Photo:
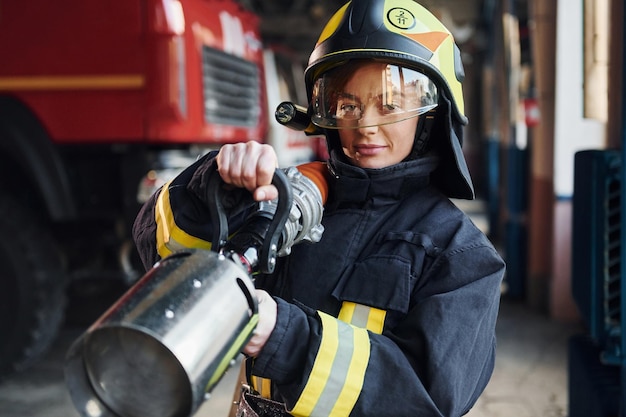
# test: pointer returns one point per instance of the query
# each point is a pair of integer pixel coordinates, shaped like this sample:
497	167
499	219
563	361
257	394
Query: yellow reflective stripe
321	369
235	346
338	372
170	237
262	385
347	311
370	318
376	320
162	231
356	375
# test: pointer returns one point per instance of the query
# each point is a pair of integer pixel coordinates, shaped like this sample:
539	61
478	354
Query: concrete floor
530	379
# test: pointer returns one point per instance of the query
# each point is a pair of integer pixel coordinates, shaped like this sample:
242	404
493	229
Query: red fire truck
94	95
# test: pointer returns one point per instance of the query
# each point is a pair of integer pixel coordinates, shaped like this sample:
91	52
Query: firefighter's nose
369	117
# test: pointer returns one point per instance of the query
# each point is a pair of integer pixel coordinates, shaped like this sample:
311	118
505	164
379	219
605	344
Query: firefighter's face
369	145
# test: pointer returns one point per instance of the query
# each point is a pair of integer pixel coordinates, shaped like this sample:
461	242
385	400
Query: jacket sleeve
177	215
435	362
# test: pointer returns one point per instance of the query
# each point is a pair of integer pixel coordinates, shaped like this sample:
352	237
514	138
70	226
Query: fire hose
165	344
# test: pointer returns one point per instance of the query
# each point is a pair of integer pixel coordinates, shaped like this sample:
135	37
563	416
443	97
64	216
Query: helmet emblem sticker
401	18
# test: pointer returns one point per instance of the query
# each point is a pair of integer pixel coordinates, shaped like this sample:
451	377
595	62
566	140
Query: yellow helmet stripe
332	24
446	50
169	236
338	372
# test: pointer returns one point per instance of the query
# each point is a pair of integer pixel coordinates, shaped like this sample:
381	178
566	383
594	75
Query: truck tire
32	288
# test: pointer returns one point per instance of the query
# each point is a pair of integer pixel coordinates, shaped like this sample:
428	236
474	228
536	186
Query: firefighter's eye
391	105
349	111
390	108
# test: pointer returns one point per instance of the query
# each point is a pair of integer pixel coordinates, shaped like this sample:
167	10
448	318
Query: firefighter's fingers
258	165
265	192
229	163
248	165
267	163
267	320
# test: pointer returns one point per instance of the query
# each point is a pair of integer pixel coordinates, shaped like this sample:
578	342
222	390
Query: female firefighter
393	312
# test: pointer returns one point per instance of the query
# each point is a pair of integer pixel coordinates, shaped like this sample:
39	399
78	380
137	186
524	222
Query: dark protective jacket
392	313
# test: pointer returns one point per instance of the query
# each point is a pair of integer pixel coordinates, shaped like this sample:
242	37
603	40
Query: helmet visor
357	95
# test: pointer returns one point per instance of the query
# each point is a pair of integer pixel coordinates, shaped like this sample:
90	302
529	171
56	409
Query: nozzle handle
269	248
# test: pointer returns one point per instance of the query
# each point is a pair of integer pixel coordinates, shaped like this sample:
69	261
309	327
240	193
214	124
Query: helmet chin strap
422	133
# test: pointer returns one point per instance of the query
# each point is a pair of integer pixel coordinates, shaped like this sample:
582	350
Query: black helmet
405	34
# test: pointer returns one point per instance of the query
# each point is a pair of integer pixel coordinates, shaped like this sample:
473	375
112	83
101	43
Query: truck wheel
32	288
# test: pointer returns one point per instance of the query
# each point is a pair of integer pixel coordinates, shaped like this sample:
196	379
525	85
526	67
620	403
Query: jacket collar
351	184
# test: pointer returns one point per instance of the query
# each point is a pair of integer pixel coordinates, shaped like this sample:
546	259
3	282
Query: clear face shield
369	93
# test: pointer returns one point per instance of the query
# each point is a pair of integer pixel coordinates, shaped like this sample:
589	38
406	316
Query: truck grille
231	89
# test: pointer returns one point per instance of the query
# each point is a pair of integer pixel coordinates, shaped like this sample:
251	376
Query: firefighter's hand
267	321
249	165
